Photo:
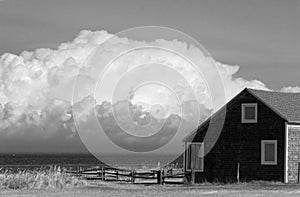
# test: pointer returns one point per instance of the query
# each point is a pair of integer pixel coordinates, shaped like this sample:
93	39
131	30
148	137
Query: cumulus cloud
295	89
124	122
235	85
36	87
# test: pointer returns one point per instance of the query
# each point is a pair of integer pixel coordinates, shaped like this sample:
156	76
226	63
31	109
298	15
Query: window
249	113
195	157
269	152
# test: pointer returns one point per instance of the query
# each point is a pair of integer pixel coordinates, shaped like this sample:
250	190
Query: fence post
103	173
238	173
163	177
132	176
100	173
78	170
117	174
159	177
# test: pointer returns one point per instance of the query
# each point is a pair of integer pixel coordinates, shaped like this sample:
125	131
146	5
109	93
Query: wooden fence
169	176
105	173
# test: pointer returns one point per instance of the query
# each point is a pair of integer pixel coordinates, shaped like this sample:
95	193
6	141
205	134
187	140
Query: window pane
195	154
197	162
249	113
200	155
270	152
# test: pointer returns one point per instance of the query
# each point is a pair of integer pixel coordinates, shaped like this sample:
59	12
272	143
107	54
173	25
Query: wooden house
259	139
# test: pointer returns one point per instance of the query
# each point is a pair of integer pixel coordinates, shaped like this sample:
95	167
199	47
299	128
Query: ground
110	189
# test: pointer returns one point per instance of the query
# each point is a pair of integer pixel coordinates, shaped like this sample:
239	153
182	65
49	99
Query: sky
262	37
252	43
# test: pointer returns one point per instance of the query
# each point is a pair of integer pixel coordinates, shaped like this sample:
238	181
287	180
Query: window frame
244	105
188	144
263	150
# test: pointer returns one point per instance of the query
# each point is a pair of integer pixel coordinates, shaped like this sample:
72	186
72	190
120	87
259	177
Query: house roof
287	105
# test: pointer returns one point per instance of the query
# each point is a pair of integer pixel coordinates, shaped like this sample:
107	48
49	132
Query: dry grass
54	182
45	179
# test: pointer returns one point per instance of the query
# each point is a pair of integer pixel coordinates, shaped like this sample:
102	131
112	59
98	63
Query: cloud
125	122
36	87
295	89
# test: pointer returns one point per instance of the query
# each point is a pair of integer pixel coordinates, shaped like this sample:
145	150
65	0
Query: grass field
53	178
54	182
113	189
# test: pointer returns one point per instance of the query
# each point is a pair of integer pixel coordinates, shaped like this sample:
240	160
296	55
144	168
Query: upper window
249	113
269	152
195	157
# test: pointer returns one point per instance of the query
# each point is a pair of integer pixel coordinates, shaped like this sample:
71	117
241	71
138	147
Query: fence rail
158	176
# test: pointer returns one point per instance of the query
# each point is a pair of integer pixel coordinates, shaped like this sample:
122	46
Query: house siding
293	152
241	143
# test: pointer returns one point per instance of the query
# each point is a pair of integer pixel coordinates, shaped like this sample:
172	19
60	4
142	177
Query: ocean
75	160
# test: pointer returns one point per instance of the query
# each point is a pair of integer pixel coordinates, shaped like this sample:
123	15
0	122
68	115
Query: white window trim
263	162
188	145
243	112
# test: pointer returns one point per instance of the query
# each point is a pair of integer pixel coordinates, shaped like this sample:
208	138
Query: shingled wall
293	152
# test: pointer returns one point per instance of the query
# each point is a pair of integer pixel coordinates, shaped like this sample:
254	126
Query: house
259	139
